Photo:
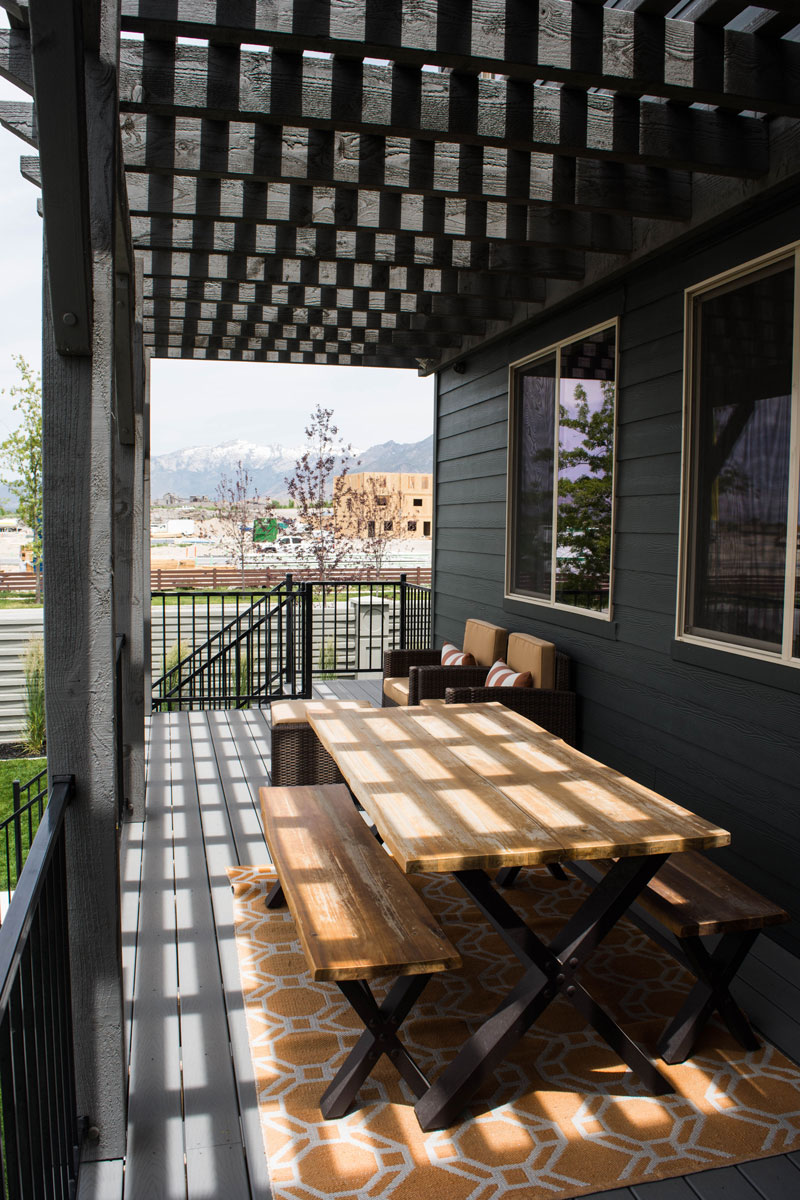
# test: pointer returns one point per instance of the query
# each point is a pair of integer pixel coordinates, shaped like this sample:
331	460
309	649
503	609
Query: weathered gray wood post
75	87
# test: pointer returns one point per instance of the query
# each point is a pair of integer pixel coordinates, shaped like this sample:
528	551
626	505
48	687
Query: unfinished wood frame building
453	187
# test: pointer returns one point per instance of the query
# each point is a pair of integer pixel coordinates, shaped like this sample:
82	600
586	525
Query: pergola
360	182
377	183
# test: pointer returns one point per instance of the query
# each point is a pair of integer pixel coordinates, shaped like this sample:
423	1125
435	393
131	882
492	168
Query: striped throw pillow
453	657
501	675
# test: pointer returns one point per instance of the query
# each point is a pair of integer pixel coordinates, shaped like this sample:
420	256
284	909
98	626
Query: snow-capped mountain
197	470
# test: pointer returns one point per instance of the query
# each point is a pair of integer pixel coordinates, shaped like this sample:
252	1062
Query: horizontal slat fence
209	578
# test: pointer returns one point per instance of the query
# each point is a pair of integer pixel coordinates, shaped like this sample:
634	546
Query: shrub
172	673
327	660
35	728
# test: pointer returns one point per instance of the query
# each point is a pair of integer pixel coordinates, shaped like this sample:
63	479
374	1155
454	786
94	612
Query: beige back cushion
486	643
528	653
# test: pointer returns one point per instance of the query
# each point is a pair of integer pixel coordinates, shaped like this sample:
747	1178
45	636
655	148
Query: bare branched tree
311	489
237	505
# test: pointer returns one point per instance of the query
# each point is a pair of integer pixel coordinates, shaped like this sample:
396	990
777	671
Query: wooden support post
129	544
79	633
143	523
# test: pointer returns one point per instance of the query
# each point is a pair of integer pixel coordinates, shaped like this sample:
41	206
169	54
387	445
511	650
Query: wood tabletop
477	786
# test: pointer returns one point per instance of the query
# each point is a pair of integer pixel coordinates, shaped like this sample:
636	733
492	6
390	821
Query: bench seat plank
357	916
694	897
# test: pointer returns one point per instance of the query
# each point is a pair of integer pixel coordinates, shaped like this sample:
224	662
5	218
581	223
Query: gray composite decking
193	1126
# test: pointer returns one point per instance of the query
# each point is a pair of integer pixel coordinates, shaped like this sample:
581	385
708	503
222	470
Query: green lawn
22	769
19	600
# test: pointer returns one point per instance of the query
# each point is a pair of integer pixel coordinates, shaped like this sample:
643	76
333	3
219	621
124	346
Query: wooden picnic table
467	788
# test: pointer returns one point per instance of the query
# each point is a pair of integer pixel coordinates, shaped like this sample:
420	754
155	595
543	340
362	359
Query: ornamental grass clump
35	729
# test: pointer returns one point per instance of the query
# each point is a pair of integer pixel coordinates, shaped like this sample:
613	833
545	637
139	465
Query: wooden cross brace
379	1037
551	970
714	972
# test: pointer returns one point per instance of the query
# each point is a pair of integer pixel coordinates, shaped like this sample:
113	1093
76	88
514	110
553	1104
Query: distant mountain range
197	470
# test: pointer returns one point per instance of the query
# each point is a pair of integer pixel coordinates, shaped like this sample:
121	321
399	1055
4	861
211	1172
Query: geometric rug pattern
563	1116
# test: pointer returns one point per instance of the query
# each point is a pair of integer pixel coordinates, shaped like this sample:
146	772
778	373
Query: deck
193	1126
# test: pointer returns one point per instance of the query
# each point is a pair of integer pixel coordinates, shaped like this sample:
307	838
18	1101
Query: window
740	586
426	529
412	526
417	502
561	474
381	501
388	526
371	529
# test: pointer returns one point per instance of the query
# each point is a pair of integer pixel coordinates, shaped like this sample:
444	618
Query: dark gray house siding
714	731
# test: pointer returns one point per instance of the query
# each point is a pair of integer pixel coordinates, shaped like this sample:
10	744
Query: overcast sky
196	403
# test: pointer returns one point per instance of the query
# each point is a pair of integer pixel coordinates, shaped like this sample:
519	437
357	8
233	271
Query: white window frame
511	482
691	295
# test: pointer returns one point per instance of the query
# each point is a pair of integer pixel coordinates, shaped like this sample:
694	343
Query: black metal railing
17	831
415	614
40	1135
230	661
261	646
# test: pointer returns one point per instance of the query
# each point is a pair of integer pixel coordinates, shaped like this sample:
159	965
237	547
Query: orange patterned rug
563	1116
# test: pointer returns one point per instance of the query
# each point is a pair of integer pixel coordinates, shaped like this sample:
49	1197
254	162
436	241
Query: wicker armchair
401	668
555	709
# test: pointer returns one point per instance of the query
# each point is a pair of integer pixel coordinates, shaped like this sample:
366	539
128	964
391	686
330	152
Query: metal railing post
403	595
290	666
17	829
308	640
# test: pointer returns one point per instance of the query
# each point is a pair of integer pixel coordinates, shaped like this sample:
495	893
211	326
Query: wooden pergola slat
255	153
431	194
581	44
224	83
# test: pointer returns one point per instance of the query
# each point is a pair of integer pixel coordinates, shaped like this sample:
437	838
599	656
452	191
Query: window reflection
585	471
533	527
742	427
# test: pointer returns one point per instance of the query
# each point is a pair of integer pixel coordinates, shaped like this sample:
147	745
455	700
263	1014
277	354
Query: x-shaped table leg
551	971
379	1037
714	973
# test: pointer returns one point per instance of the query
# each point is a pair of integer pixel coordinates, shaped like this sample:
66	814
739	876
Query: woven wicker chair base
299	759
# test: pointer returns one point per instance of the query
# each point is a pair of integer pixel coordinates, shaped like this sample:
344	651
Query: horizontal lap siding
720	744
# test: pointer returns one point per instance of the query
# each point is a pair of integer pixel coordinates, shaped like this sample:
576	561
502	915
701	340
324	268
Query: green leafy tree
585	496
21	457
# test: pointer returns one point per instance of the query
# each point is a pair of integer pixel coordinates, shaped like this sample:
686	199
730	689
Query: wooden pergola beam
346	96
239	201
234	202
19	119
327	358
57	56
171	316
15	58
223	317
265	331
344	294
256	242
430	283
412	349
580	44
255	154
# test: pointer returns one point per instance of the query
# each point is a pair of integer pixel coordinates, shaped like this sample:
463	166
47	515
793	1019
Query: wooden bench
358	918
689	899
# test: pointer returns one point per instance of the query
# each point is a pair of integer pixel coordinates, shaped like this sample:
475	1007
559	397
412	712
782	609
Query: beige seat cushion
529	653
432	702
396	688
285	712
486	643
